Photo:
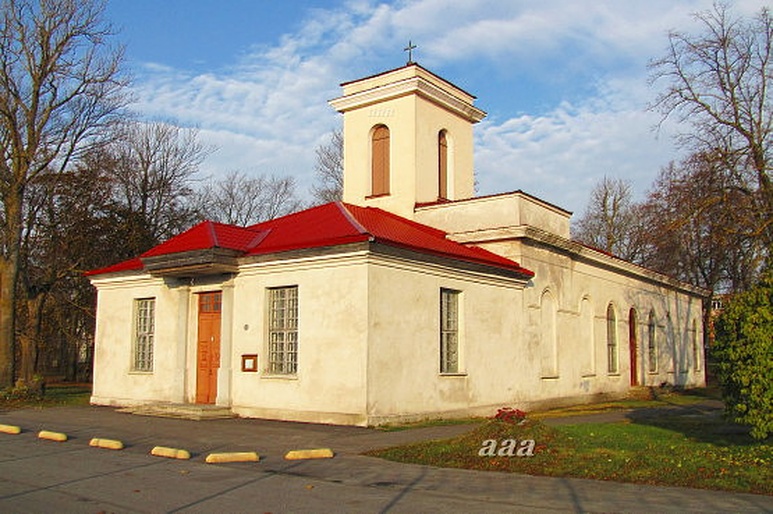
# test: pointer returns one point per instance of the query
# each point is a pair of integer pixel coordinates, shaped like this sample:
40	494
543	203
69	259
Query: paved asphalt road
45	476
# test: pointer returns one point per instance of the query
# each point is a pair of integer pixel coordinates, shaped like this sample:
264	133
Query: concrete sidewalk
42	476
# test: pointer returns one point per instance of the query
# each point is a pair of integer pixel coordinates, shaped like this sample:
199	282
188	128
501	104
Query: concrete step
198	412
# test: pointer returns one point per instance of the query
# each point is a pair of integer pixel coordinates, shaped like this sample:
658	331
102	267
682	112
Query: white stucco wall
491	213
114	381
369	350
330	385
404	381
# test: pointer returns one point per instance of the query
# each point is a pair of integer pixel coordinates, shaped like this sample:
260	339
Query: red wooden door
208	353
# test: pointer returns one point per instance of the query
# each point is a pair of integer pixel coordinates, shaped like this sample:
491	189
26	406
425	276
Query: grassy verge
55	395
683	447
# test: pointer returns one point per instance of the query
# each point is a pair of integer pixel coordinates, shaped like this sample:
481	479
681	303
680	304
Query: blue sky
564	82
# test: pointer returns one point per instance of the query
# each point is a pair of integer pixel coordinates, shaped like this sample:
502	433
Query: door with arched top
632	346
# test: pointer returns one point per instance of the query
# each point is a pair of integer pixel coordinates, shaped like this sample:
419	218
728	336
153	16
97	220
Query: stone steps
180	411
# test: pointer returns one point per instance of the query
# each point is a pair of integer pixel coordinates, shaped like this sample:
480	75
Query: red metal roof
209	234
331	224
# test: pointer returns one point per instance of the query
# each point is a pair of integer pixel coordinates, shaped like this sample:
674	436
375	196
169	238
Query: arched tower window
380	161
442	165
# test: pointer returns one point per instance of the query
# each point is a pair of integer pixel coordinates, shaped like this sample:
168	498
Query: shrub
744	353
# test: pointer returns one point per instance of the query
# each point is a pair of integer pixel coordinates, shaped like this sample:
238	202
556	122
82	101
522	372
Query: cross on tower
410	48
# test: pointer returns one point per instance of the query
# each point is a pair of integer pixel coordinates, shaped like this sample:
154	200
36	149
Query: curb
59	437
108	444
170	453
219	458
317	453
10	429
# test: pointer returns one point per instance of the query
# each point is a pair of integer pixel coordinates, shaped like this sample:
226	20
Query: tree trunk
29	339
8	271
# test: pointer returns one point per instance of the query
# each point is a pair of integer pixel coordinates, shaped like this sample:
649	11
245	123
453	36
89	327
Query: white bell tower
407	140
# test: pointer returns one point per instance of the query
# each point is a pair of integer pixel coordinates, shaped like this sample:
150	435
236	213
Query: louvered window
380	162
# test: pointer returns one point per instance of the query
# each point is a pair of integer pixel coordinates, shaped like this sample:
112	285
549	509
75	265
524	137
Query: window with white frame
611	339
449	331
283	330
144	334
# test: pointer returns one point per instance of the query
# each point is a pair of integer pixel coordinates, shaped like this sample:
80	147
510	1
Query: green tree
744	354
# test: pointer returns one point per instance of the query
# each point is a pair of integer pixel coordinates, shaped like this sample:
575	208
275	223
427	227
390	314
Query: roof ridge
420	226
213	233
351	218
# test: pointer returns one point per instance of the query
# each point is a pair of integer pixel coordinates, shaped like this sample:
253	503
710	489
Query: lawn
55	395
651	445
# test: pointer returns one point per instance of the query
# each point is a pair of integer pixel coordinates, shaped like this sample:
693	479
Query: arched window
442	165
380	161
652	349
611	339
587	338
548	339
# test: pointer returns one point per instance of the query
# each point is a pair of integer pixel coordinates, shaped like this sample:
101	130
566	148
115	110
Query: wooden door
208	353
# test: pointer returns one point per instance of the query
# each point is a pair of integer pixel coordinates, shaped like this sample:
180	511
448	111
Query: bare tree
329	170
610	221
60	85
718	82
241	200
153	168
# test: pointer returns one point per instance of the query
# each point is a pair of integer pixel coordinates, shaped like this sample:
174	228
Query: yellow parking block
219	458
10	429
52	436
170	453
317	453
108	444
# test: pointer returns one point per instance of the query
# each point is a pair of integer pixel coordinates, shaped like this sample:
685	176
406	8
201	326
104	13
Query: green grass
55	395
659	398
683	447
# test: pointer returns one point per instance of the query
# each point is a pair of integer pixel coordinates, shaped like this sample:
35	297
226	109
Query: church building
412	298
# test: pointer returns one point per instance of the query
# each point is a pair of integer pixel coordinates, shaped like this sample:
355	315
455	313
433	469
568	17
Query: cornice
413	85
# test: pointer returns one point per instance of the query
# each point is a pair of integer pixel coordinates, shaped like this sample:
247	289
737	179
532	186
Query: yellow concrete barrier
10	429
219	458
108	444
317	453
170	453
52	436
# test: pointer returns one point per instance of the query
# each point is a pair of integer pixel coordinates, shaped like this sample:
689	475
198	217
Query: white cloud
268	110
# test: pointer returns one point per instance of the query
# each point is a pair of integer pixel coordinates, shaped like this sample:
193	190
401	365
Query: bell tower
407	140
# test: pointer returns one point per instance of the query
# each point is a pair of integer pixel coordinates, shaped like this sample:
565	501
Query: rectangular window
144	333
449	331
283	330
